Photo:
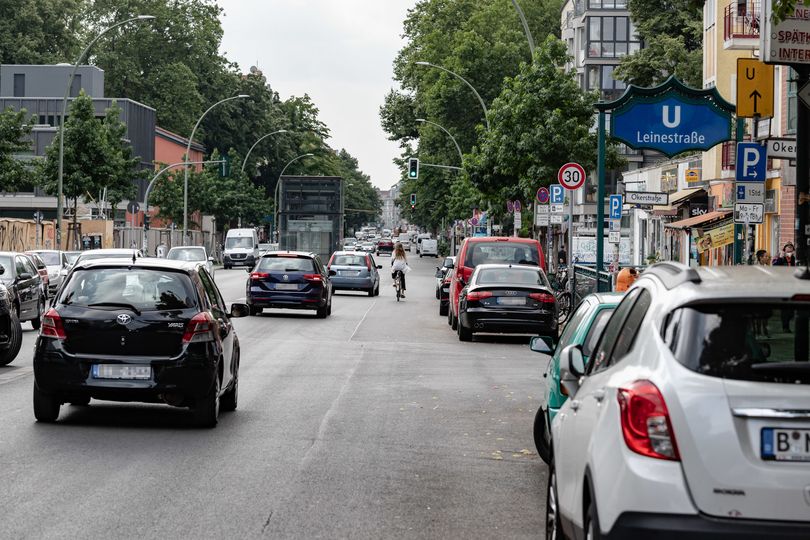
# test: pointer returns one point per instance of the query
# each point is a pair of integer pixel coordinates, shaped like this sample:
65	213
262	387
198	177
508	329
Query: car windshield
349	260
245	242
71	256
51	258
754	342
187	254
143	289
286	264
500	253
512	276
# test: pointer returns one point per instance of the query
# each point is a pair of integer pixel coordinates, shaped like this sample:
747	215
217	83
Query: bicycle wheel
563	307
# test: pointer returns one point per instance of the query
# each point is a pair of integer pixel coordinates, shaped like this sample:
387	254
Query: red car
489	250
386	245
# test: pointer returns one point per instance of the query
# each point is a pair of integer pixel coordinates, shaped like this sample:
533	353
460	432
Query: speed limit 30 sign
571	176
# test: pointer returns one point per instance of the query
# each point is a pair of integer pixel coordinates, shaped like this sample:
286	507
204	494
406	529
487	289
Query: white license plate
785	444
511	301
349	273
286	287
122	371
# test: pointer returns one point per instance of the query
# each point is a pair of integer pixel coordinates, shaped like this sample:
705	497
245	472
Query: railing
741	20
585	282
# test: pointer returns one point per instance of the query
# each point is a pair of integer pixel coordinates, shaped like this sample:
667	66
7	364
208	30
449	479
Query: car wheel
230	399
206	410
36	322
553	527
454	321
255	310
46	406
542	435
14	339
464	333
227	266
377	290
371	291
592	529
449	316
329	307
443	308
322	312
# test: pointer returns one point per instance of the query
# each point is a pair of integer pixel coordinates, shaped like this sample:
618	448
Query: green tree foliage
14	130
39	31
672	31
362	203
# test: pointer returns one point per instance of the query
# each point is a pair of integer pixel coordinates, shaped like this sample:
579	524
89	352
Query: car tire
227	266
592	529
322	312
554	529
206	410
377	290
36	322
255	310
542	435
443	308
371	291
14	339
464	333
449	315
453	321
46	406
230	399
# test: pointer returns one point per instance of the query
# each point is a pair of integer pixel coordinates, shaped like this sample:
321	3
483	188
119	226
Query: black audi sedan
290	280
507	299
146	330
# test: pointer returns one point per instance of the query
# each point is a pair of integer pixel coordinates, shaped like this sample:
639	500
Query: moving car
241	248
290	280
355	271
429	247
42	270
385	245
56	261
405	240
367	247
691	418
196	254
153	330
492	250
584	329
21	279
507	299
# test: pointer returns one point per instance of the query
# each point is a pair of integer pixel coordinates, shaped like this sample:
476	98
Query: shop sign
714	238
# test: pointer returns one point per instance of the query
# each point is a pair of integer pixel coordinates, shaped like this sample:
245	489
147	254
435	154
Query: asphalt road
374	423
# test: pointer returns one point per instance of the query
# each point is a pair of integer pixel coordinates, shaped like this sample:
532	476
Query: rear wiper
116	304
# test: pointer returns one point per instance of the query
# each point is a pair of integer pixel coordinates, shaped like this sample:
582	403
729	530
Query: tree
14	130
37	32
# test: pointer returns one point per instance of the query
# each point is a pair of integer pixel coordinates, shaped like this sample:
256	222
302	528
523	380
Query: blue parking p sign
557	194
751	162
615	207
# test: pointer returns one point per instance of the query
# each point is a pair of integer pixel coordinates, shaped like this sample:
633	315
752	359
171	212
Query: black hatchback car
291	280
148	330
21	278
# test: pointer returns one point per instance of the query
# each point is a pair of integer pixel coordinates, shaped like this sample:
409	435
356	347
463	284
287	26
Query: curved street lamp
260	139
528	32
61	168
188	152
278	184
465	81
460	155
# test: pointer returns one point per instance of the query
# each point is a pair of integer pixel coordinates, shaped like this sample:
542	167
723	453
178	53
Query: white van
241	248
428	246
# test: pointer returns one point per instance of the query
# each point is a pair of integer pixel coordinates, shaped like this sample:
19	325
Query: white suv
692	418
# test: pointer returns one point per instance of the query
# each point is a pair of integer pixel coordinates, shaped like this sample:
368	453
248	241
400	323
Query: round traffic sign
510	206
542	195
133	207
571	176
517	206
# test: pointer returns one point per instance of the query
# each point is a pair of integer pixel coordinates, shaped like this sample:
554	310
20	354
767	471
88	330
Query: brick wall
787	216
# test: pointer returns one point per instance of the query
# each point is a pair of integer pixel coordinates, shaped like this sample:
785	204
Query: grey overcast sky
340	52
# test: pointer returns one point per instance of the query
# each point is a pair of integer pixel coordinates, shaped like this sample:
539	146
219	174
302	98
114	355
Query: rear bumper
508	322
699	527
285	300
352	284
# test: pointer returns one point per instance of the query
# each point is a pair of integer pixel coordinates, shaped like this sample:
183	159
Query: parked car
355	271
56	261
107	253
10	329
154	331
290	280
691	418
507	299
192	254
18	274
385	245
489	250
584	328
444	295
441	273
42	270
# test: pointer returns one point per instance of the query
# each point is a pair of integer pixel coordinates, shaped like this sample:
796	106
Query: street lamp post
188	152
61	168
465	81
276	191
528	32
460	155
260	139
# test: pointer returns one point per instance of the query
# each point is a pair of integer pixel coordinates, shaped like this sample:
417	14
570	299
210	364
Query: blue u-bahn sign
671	118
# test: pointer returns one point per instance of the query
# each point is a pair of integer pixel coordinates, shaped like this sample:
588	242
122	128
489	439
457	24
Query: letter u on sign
672	122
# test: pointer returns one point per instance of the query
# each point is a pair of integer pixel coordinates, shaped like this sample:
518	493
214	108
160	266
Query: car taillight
315	278
368	263
545	298
199	329
52	325
259	275
476	296
645	421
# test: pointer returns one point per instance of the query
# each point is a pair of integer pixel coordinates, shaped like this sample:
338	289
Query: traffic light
145	221
413	200
413	169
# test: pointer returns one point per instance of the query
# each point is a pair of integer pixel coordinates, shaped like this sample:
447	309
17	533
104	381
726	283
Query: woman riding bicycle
399	265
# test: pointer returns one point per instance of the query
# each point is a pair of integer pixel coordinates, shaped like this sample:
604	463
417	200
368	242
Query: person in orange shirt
626	278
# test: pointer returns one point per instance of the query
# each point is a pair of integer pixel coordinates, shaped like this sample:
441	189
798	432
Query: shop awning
676	199
688	223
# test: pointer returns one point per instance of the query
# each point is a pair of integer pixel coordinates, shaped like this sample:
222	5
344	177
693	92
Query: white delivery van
428	246
241	248
405	240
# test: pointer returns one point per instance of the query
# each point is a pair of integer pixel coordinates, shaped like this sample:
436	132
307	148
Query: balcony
741	25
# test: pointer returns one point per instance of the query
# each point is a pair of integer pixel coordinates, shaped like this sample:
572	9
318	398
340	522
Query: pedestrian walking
626	277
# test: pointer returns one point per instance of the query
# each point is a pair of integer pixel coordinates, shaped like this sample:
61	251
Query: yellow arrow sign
754	88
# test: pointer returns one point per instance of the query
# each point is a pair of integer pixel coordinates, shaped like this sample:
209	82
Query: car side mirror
542	344
24	276
572	368
239	310
451	266
379	267
332	273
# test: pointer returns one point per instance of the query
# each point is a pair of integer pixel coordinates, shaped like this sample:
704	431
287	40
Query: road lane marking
17	373
356	328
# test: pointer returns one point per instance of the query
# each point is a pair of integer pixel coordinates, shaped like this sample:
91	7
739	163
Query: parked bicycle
563	295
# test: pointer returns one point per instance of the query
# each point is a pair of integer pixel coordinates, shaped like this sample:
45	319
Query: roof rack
672	274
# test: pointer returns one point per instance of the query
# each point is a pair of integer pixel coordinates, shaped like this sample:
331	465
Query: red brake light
316	278
801	298
476	296
259	275
199	329
645	421
52	325
368	262
545	298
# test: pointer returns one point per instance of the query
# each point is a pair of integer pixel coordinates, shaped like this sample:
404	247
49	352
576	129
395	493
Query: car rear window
286	264
51	258
187	254
512	276
500	253
751	342
142	288
349	260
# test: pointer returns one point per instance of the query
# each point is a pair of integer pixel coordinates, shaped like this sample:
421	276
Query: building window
593	78
19	85
611	37
607	4
792	103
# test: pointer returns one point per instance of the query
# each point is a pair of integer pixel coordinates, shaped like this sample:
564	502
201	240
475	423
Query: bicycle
563	296
398	284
